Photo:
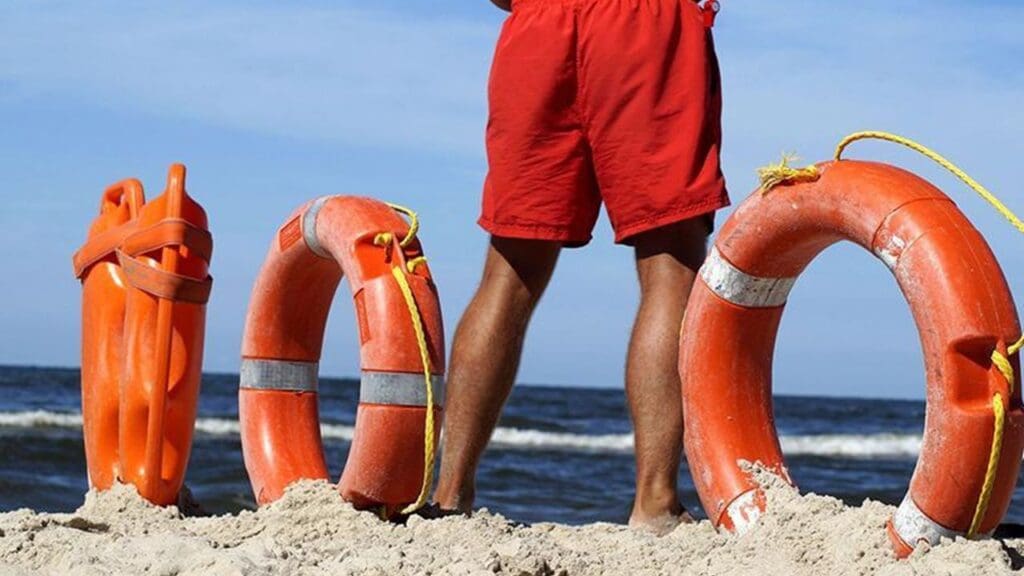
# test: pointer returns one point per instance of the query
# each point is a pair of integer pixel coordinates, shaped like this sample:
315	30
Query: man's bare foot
434	511
659	524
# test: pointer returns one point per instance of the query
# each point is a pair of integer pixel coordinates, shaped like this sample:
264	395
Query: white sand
310	531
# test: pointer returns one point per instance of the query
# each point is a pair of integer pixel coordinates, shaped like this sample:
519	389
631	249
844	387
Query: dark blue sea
559	454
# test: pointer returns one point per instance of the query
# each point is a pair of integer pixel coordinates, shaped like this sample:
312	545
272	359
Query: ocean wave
824	445
40	419
853	445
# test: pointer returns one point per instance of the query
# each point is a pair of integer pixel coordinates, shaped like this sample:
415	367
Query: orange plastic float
144	291
974	426
390	463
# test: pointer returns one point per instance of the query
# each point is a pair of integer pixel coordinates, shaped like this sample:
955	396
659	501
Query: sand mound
312	532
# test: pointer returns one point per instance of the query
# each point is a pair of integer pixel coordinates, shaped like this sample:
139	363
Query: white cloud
364	77
802	69
801	74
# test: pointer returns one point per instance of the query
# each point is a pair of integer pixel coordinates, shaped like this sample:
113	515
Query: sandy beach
312	532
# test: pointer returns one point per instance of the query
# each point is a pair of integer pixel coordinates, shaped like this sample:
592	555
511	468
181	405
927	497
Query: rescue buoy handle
175	196
778	174
102	245
128	192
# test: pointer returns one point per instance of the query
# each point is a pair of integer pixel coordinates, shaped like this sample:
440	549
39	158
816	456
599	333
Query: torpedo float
391	460
961	304
144	291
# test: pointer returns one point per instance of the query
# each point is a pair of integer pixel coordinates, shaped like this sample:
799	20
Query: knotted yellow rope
414	263
938	159
773	175
429	450
385	239
1002	363
999	412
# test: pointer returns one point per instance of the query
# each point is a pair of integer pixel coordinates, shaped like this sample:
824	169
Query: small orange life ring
144	291
960	302
402	351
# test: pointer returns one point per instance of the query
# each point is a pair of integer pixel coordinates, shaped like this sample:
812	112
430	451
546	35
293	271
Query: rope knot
415	263
383	239
774	175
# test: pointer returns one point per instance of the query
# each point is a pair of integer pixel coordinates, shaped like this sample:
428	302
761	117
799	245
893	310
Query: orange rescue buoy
390	463
144	291
974	425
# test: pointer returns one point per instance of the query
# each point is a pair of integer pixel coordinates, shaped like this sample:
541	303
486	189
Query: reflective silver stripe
401	388
736	286
278	375
744	512
309	227
913	526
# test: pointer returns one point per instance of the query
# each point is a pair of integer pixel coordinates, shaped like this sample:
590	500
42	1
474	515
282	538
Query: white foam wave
516	438
825	445
40	419
853	445
224	427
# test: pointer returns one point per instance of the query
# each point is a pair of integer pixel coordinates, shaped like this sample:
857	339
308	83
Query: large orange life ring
144	291
402	355
974	425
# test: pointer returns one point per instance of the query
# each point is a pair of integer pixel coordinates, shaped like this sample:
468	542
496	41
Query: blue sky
270	104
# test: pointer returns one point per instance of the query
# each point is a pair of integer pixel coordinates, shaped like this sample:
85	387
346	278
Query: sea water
559	454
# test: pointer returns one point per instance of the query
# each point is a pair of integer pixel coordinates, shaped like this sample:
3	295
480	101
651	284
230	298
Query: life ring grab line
429	448
780	174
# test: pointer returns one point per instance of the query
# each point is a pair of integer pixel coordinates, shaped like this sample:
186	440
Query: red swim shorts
602	100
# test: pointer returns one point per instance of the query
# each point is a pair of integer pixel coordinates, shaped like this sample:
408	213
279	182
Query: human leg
485	357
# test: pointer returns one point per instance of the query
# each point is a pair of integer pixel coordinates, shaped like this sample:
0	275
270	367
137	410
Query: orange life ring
367	241
961	305
144	291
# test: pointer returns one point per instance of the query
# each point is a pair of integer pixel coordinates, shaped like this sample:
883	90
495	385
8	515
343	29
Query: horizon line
518	383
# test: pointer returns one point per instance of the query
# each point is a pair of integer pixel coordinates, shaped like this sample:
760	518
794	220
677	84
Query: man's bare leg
667	260
485	357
